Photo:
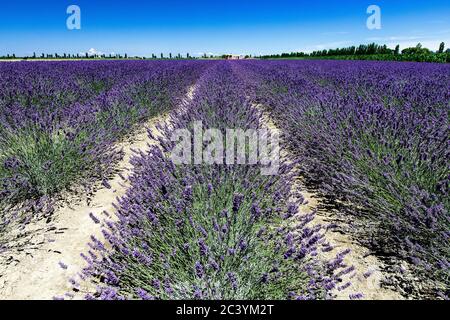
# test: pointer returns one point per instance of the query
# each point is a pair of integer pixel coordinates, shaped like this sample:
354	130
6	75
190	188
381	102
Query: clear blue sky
140	27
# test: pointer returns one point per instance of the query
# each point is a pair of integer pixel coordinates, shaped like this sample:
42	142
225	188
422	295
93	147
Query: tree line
372	51
96	56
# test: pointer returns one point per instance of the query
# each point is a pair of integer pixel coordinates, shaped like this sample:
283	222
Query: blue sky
140	27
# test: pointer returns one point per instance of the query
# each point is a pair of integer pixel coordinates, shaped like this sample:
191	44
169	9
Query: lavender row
209	231
373	138
59	121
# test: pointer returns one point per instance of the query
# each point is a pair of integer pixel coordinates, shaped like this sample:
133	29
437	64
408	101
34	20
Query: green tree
441	47
397	49
418	49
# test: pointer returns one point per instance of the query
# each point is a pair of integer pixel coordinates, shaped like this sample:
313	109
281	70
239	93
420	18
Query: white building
235	57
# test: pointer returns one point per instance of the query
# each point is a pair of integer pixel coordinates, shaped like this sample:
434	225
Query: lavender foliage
209	231
59	122
373	139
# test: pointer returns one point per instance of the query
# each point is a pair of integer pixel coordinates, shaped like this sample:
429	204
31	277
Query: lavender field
357	210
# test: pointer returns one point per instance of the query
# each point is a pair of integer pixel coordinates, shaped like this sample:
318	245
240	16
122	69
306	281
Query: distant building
234	56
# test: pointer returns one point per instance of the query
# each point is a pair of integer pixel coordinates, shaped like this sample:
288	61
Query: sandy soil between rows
35	272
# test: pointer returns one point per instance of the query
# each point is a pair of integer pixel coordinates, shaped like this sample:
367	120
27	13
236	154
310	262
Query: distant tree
34	55
441	47
418	49
87	55
170	55
397	49
42	56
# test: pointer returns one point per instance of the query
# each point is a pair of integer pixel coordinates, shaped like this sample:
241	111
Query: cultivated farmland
93	206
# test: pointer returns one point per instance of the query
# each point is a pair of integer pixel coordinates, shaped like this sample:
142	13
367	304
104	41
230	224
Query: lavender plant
59	121
209	231
375	137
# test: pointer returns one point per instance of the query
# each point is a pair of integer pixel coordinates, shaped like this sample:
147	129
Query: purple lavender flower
144	295
233	280
203	248
199	271
187	194
94	218
355	296
237	201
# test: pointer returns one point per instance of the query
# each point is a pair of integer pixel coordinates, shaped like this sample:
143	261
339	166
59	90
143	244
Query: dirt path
367	276
43	271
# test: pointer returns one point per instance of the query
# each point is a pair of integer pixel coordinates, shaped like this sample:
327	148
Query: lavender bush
374	137
59	121
209	231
